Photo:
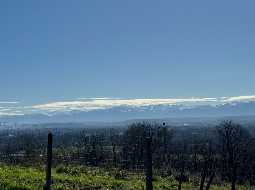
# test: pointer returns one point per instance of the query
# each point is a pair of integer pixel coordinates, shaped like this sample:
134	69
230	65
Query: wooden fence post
114	155
148	164
49	163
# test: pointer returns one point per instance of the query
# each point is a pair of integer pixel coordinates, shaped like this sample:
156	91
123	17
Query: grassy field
82	178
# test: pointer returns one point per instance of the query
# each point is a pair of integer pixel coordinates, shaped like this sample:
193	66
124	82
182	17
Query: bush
61	169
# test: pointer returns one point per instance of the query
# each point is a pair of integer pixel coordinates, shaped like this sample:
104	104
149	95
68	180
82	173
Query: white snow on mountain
123	105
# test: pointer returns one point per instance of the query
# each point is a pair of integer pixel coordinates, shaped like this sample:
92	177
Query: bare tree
208	169
232	138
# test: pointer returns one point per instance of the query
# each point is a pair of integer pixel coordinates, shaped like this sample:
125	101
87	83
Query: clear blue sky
60	49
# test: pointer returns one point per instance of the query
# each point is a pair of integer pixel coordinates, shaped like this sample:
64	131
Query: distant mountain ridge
126	112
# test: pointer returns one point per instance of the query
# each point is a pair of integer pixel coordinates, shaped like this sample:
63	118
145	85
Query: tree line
221	154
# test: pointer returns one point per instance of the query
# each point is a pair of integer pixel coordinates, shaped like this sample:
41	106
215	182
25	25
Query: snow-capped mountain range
119	109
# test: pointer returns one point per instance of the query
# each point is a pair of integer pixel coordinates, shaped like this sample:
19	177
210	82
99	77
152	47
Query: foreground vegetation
84	178
184	158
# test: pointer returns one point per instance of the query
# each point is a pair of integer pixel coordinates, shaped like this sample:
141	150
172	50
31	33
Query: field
84	178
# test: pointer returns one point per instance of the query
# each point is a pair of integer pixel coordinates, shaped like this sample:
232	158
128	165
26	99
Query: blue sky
63	50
